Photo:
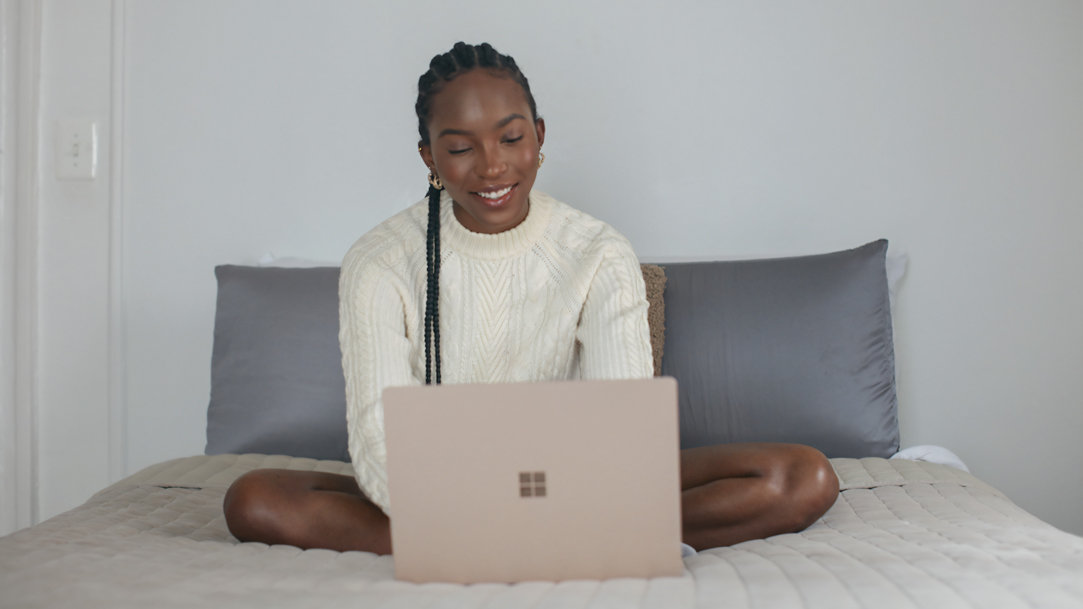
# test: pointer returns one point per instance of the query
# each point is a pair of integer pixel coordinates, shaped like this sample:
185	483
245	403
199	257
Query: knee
822	483
806	484
248	504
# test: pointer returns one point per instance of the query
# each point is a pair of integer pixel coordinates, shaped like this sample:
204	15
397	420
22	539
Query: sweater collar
498	245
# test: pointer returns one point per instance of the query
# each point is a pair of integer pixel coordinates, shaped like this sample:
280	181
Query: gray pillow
790	349
276	369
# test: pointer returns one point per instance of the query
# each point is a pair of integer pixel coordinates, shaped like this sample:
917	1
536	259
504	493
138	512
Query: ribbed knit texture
561	296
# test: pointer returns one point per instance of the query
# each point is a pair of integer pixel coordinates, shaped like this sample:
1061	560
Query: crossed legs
729	493
307	510
736	492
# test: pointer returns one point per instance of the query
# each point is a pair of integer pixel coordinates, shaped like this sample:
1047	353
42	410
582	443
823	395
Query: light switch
76	149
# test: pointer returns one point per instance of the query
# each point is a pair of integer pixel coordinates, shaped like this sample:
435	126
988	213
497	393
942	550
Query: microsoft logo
531	484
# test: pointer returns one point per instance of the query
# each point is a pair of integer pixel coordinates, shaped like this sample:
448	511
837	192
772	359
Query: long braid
432	267
443	68
434	287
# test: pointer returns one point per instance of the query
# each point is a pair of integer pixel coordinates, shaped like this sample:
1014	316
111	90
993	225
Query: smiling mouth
495	198
493	195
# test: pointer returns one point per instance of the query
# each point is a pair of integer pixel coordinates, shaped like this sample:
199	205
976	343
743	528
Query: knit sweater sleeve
375	309
613	333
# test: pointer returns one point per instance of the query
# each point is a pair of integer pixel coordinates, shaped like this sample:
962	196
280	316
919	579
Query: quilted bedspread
902	534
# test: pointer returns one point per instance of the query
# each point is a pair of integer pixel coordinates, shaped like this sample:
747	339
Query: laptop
534	481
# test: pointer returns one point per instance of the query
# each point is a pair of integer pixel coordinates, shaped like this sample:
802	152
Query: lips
495	196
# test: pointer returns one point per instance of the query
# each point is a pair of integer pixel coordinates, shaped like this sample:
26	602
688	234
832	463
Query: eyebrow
499	125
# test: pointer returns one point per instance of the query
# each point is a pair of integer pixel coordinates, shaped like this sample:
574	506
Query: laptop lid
534	481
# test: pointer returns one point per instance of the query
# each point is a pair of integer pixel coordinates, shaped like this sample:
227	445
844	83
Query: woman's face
484	146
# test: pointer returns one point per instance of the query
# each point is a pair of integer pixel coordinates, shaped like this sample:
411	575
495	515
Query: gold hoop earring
435	181
541	158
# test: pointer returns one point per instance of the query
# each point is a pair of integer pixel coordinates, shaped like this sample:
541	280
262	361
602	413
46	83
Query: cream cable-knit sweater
560	296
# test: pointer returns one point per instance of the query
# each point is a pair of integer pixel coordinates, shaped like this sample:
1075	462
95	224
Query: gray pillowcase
793	350
789	350
276	370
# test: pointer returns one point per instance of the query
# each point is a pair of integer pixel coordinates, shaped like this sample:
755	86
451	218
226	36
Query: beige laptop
534	481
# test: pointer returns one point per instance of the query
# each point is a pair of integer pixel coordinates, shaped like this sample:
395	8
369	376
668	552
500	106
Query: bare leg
736	492
305	509
730	493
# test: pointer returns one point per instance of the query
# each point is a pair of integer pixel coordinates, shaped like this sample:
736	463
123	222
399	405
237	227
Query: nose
491	162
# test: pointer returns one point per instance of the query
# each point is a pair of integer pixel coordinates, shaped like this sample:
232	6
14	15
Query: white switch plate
76	149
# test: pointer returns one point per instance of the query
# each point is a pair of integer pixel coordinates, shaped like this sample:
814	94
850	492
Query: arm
613	334
374	314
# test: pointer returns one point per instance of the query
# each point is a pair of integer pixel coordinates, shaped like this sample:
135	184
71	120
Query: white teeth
496	194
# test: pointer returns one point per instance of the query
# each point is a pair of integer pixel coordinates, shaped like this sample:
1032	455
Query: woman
489	281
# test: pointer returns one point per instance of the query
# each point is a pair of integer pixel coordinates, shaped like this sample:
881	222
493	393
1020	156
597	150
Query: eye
458	150
512	140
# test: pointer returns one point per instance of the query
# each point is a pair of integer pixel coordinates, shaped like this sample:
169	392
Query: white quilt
902	534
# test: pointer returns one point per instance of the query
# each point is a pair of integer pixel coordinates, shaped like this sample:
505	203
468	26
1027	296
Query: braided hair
443	68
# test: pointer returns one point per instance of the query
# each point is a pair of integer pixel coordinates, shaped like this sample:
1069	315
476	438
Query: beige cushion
655	278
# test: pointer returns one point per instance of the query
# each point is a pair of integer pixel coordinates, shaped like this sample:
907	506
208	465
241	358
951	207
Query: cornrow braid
443	68
463	58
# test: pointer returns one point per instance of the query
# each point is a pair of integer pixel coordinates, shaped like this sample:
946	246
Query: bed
903	533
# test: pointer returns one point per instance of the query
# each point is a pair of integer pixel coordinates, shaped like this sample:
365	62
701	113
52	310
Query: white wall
68	266
700	130
10	438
